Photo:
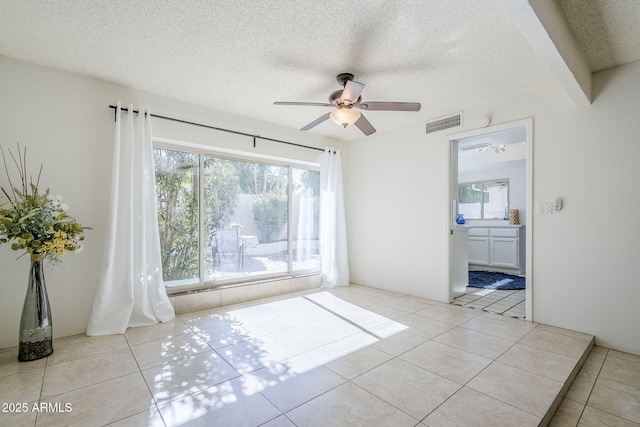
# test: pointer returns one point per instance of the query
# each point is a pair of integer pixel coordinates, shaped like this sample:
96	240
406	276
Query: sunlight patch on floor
484	292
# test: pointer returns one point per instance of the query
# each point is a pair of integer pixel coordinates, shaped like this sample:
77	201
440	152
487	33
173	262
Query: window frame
482	203
226	154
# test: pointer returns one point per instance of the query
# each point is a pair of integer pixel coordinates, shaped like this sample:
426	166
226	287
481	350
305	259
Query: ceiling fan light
345	116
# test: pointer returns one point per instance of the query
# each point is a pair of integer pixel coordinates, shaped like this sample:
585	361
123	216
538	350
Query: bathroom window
484	199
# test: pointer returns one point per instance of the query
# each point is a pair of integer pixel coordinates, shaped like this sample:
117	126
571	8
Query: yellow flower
56	245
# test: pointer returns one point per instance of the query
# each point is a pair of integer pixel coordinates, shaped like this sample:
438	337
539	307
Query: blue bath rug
497	281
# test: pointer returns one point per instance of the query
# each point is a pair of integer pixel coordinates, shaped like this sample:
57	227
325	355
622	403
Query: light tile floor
606	392
353	356
507	303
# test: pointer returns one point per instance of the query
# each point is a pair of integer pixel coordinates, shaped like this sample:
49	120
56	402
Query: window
484	199
228	220
177	186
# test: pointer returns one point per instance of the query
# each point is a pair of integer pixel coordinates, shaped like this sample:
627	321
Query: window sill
209	298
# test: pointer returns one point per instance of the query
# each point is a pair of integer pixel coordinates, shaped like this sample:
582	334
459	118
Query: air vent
446	123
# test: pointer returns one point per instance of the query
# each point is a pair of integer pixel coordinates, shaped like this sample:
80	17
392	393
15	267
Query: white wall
583	256
396	211
65	122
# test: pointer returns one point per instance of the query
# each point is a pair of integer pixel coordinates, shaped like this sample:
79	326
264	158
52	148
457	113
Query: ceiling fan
347	102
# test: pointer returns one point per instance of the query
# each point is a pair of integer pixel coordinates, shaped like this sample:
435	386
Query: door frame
450	179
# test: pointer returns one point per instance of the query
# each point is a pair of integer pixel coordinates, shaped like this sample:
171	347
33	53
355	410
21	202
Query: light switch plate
545	208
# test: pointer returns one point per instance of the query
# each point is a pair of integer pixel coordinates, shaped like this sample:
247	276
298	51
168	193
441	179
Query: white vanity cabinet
479	246
500	248
504	247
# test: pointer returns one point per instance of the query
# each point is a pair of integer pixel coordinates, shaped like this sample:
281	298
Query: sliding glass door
227	220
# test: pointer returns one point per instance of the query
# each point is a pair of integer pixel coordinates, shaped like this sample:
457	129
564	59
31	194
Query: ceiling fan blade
364	125
390	106
305	104
351	92
316	122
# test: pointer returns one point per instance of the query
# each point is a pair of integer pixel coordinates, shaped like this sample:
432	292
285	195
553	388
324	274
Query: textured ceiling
607	31
241	56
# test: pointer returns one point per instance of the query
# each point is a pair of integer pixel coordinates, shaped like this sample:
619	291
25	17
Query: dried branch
23	168
39	174
15	162
6	169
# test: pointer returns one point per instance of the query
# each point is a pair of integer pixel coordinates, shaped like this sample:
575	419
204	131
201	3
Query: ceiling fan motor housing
343	78
336	98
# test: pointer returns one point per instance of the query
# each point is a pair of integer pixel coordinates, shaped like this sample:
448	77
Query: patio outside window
226	220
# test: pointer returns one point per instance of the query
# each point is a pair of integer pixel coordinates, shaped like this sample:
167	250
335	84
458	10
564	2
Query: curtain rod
220	129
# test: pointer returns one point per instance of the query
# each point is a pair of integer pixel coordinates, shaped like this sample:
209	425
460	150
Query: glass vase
460	219
35	323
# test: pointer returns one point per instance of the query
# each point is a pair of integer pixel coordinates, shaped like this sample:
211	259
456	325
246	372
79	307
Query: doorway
490	178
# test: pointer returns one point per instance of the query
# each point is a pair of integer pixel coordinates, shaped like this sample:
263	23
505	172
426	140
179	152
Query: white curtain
131	291
334	261
304	234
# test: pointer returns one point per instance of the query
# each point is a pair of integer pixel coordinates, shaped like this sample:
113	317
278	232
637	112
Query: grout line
44	373
594	384
155	402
